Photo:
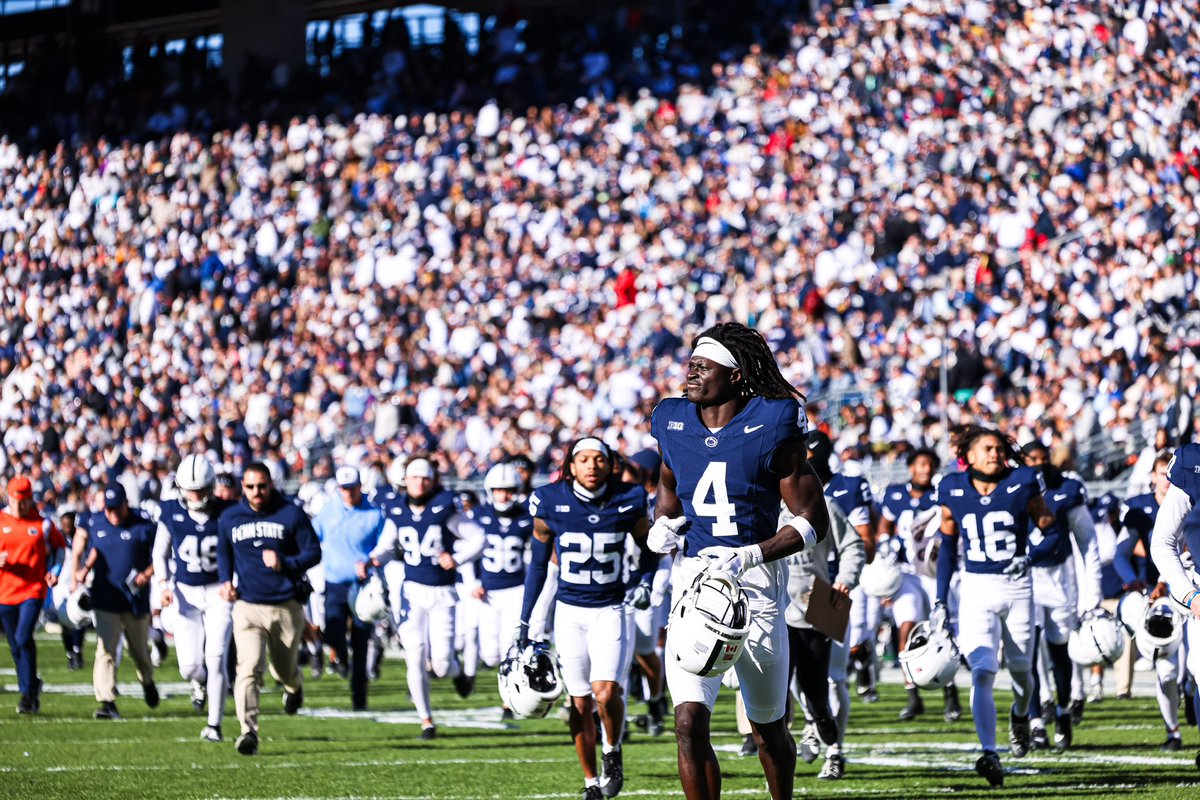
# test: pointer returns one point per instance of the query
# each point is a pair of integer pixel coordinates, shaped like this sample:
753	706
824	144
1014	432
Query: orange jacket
28	544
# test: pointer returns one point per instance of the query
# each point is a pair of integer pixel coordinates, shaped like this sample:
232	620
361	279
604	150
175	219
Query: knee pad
984	659
982	678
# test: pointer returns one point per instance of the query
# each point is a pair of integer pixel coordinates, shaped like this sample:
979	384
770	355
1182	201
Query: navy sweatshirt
246	533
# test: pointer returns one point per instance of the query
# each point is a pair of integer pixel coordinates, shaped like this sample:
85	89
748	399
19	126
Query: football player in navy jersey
1176	539
992	504
905	513
1139	517
187	535
586	518
733	448
426	530
1056	587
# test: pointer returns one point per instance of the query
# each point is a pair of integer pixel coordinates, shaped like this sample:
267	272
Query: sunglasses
251	487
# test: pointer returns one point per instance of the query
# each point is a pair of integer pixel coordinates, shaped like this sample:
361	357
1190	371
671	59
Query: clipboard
833	622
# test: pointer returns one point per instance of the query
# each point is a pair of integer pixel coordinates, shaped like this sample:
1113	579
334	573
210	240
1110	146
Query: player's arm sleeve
1123	555
308	548
224	553
162	549
389	540
1167	543
535	574
947	561
1083	528
469	539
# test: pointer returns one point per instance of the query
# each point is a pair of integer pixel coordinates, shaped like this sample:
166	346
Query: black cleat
464	685
953	708
1062	732
150	692
107	710
990	769
827	730
658	711
1048	712
1038	738
292	701
1076	712
592	793
25	705
915	707
429	733
74	661
612	774
247	744
749	748
1018	735
1173	744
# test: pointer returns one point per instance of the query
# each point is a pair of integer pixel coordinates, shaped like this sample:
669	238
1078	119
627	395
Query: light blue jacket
347	537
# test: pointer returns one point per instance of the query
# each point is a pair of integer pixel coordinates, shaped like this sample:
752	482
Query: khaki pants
109	627
1123	669
259	631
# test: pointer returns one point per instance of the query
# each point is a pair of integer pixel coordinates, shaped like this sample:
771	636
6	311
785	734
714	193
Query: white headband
591	443
710	348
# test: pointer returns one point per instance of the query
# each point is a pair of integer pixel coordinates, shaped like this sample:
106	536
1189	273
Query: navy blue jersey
1184	473
903	508
506	535
994	527
589	539
853	496
1051	550
728	481
194	544
245	533
1137	516
121	550
422	535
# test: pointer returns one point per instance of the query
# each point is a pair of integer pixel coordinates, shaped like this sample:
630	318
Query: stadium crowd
1017	180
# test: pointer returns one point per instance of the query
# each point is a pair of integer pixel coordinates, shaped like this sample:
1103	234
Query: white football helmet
79	608
1161	631
708	627
395	471
371	601
882	577
195	474
931	658
1098	639
529	681
501	476
1131	611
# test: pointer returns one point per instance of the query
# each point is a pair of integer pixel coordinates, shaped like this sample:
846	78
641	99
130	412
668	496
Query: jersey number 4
720	510
418	549
996	541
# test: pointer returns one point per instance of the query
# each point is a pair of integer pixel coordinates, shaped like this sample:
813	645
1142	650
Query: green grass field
328	752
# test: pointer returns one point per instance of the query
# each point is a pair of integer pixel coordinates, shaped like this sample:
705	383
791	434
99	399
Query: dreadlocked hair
964	436
760	374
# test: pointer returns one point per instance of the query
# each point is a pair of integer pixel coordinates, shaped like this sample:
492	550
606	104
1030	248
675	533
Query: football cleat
749	748
612	774
810	745
834	769
107	710
990	769
464	684
915	707
247	744
1062	732
429	733
25	705
199	697
1038	738
953	708
1076	711
212	733
74	661
1173	744
1048	712
658	712
292	701
1018	735
1096	692
592	793
150	692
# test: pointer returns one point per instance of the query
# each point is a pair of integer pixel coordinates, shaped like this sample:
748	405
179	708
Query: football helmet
195	474
931	658
882	577
709	624
1131	611
502	476
1098	639
395	471
79	608
370	601
1161	631
529	681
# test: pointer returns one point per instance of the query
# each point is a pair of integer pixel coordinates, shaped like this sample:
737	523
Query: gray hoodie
843	540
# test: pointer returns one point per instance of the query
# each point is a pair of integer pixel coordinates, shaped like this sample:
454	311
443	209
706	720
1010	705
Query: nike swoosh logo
1012	489
623	509
258	544
1060	497
751	429
841	492
436	509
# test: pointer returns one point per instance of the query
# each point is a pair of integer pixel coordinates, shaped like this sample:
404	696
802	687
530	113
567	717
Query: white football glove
1017	568
664	534
638	597
939	619
734	560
